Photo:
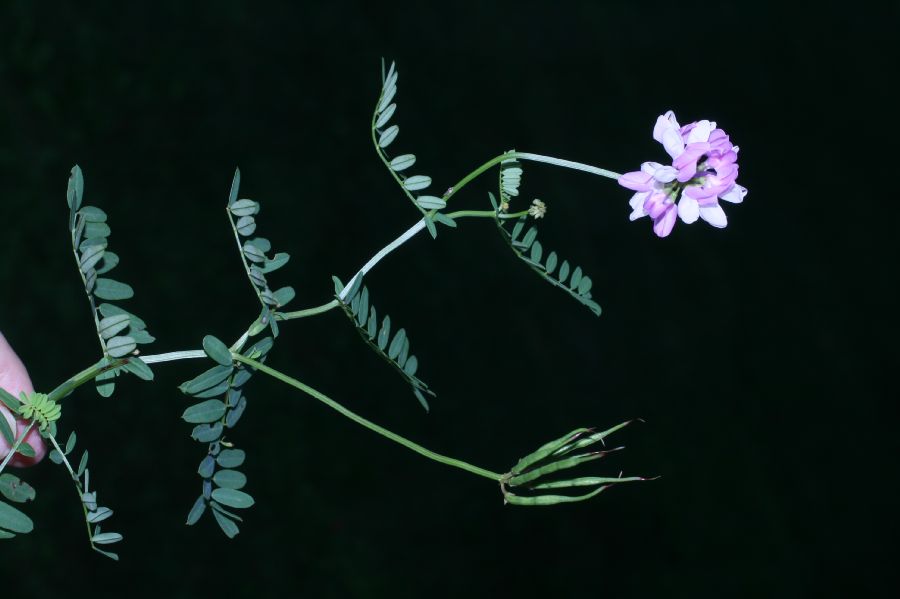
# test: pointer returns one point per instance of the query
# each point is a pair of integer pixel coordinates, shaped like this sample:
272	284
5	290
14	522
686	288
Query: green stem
174	355
237	240
484	214
90	296
578	166
309	311
85	376
79	490
362	421
15	446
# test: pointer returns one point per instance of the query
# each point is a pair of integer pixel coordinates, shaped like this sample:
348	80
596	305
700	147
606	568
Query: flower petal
700	132
665	174
637	205
688	209
650	167
664	122
663	225
714	215
735	195
672	142
636	180
656	204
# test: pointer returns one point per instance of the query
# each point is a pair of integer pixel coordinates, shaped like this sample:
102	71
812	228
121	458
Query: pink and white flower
703	171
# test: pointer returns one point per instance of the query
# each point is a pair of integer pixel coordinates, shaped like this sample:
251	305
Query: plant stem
309	311
79	490
90	296
15	446
578	166
404	237
419	225
237	240
86	375
362	421
484	214
174	355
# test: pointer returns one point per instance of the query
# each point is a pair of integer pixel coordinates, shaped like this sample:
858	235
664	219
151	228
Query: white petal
637	205
665	174
638	199
714	215
688	209
664	122
650	167
735	195
700	132
672	142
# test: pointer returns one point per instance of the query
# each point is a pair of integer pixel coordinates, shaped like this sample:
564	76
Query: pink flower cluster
703	171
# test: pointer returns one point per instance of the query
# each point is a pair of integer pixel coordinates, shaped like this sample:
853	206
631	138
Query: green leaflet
207	379
244	207
227	525
139	368
388	136
231	458
257	263
15	489
232	498
118	347
384	134
196	511
110	289
204	412
403	162
417	182
577	285
217	350
75	190
432	203
119	331
395	350
6	431
235	186
13	520
230	479
94	512
223	409
106	538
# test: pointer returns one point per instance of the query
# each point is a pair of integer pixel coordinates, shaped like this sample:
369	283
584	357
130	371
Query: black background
758	355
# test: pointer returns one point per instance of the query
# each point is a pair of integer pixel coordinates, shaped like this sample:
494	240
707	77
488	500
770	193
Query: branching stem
363	422
309	311
15	446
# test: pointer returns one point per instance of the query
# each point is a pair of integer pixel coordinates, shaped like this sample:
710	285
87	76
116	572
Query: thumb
14	378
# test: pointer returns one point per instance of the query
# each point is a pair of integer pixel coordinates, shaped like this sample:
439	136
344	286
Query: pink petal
656	204
663	225
637	181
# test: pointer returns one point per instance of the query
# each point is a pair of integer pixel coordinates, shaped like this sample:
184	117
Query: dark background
758	355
